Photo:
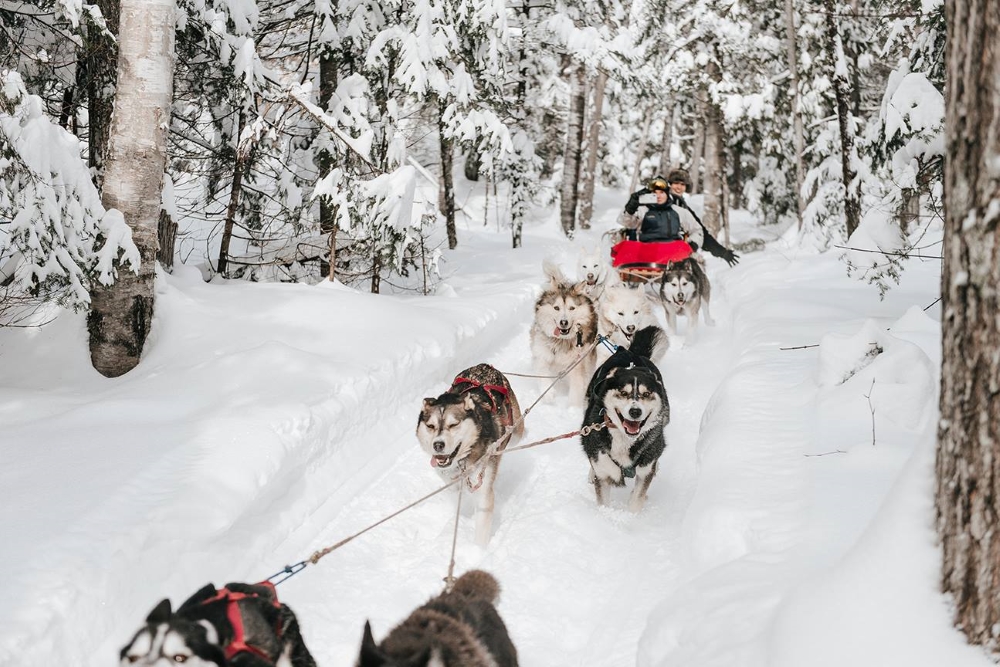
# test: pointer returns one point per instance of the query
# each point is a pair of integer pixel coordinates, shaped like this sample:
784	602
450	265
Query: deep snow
267	421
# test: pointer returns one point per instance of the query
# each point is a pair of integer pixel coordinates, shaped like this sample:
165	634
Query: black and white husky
241	625
459	628
457	428
564	331
685	290
627	395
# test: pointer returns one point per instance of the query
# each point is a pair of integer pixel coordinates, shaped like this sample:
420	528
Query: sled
639	262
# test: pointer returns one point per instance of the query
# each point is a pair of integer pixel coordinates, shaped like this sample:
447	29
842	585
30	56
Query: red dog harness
232	598
506	416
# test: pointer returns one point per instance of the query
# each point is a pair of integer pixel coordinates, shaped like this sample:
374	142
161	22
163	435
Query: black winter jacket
660	223
710	244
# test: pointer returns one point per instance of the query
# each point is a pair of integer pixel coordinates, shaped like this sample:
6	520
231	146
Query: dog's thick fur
592	270
627	393
622	311
457	428
565	327
686	290
460	628
198	633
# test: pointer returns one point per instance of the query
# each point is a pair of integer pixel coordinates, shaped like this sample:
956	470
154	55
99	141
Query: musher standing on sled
661	220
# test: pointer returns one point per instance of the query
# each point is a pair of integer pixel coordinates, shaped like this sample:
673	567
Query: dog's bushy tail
477	585
646	340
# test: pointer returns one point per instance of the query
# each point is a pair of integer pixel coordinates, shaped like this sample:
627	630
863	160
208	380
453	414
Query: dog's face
625	309
632	399
591	268
447	429
679	287
561	308
168	639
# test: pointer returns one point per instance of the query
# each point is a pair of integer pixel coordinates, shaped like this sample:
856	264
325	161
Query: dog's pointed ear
429	403
554	273
469	403
370	655
161	613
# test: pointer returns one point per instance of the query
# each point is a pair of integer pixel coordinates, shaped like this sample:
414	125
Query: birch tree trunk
593	147
571	155
798	133
968	454
842	93
328	76
446	194
715	168
121	314
102	71
668	136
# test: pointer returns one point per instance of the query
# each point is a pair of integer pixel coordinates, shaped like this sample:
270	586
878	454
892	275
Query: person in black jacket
662	220
678	182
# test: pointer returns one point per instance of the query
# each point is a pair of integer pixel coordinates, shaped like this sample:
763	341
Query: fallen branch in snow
836	451
887	253
799	347
872	408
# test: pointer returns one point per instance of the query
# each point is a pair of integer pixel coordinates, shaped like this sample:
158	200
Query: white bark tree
574	149
593	148
121	314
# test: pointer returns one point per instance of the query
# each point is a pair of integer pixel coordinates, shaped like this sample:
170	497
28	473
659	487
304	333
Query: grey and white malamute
685	290
241	625
460	628
627	395
564	330
457	428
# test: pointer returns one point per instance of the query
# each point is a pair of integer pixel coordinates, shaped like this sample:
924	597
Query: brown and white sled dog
457	428
241	625
628	396
564	330
685	290
622	311
460	628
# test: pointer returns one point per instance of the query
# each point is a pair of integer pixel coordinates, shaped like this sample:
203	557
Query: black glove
731	258
694	246
643	191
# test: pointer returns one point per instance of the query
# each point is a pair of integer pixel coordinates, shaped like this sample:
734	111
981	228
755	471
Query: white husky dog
592	270
621	312
564	330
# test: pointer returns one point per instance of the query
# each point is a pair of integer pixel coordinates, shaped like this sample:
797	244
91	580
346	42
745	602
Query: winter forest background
364	144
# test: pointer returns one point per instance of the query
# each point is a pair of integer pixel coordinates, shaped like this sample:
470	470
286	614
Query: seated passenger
660	221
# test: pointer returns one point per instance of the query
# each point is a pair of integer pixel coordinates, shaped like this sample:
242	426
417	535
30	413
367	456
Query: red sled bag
637	252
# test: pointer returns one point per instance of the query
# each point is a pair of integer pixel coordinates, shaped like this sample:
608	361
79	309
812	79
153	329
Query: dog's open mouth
628	334
630	426
591	280
679	299
559	331
445	460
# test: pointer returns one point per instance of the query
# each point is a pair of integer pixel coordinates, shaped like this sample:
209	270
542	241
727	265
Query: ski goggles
658	184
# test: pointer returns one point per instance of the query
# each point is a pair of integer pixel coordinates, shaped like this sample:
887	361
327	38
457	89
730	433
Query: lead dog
240	625
564	331
627	396
460	628
685	290
457	428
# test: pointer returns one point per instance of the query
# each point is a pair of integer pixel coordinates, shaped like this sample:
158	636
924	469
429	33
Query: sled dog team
464	431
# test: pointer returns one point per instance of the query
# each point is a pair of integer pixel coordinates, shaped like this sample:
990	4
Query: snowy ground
268	421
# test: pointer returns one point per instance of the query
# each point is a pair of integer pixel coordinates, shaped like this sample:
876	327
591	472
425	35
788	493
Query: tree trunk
473	161
121	314
235	190
798	133
668	136
166	232
715	168
842	93
735	193
647	121
328	76
446	198
909	209
593	147
102	73
697	151
571	154
968	455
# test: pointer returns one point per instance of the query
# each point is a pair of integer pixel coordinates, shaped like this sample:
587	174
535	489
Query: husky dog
240	625
457	428
565	328
621	312
460	628
685	290
592	270
627	395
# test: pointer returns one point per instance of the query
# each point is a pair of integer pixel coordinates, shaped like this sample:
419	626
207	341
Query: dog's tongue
631	427
558	332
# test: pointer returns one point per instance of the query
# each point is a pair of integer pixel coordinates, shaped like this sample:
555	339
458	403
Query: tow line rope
290	571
